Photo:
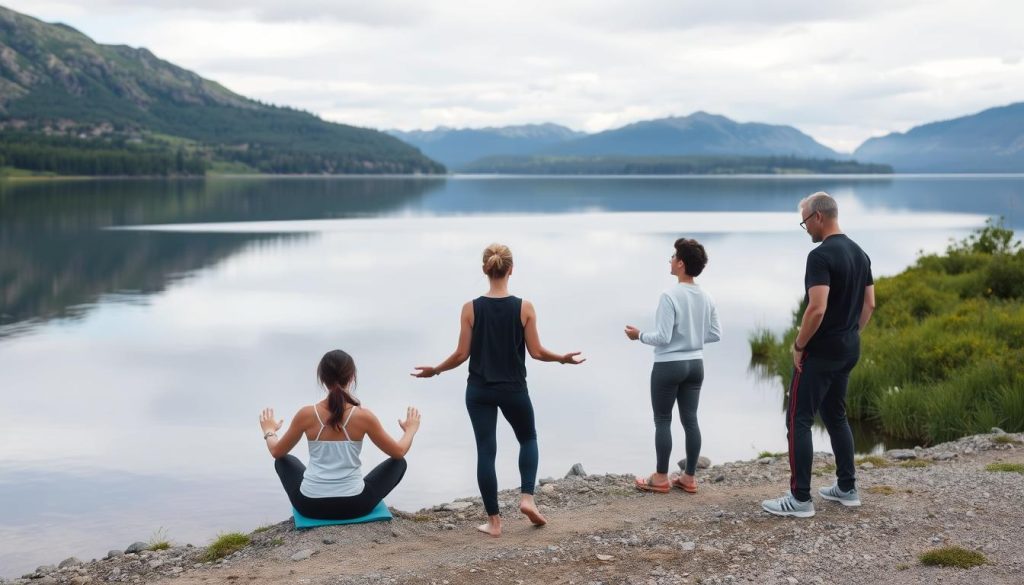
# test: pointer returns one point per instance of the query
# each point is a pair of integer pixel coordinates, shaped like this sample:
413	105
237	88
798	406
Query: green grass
226	544
942	357
772	454
824	470
277	541
159	540
953	556
1005	468
1005	440
263	528
762	345
884	490
915	463
875	460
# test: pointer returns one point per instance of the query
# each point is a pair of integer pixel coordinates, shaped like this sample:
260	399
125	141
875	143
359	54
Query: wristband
269	434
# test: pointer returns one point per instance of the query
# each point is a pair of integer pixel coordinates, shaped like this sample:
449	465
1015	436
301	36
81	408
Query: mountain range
63	95
991	141
699	134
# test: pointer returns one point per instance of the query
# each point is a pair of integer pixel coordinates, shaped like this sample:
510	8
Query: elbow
462	356
277	453
869	306
815	311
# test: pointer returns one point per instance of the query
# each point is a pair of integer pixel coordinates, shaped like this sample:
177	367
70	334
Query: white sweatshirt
685	321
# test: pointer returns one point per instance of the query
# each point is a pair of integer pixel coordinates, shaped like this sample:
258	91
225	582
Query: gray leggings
673	382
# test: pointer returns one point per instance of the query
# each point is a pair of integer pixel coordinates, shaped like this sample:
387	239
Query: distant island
70	106
668	165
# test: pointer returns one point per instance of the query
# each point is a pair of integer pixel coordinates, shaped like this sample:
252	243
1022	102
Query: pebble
302	555
867	465
69	562
943	456
765	460
80	580
548	489
791	580
329	541
113	554
457	506
605	558
155	564
689	546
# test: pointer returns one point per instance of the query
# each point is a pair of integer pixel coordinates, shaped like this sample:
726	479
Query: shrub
953	556
226	544
762	345
1005	468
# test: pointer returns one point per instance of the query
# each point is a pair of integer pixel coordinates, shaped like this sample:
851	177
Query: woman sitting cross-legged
333	486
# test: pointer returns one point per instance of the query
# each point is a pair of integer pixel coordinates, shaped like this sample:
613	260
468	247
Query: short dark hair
692	254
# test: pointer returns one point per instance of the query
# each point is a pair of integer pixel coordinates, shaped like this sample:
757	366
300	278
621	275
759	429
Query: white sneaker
787	505
833	493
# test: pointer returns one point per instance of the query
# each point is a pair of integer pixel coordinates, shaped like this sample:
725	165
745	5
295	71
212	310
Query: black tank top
497	352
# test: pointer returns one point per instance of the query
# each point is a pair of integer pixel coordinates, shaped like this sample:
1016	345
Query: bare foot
493	526
528	507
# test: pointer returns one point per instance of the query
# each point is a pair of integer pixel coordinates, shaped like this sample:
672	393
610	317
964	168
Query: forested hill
71	106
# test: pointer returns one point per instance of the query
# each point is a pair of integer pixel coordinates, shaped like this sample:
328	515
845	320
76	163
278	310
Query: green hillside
67	102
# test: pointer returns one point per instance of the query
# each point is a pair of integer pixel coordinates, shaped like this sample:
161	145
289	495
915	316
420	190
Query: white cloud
841	72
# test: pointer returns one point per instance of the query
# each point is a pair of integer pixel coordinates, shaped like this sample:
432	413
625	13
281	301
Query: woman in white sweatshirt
686	319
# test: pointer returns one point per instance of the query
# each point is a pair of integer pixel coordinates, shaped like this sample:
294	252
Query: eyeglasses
803	224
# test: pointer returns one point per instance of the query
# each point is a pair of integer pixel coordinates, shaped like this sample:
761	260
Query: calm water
134	360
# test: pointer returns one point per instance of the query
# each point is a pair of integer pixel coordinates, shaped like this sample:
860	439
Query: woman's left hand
267	422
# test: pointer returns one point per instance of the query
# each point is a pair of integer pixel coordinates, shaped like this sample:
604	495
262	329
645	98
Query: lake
145	323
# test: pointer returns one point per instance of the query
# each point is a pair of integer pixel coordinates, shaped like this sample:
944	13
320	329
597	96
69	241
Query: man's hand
798	358
632	332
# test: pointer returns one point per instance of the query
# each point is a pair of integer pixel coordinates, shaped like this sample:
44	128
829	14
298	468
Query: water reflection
56	261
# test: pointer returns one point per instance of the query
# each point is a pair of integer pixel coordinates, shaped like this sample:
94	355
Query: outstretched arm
533	345
461	353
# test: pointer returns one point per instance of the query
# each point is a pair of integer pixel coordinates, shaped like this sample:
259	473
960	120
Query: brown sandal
646	485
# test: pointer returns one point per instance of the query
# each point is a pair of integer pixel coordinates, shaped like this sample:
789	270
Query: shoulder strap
320	420
344	426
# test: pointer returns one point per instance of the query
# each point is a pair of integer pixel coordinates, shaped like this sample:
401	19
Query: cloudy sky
840	71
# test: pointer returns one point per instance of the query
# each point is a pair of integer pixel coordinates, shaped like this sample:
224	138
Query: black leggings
672	382
483	405
377	484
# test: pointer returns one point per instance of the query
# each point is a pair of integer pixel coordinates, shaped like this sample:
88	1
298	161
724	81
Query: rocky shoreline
604	531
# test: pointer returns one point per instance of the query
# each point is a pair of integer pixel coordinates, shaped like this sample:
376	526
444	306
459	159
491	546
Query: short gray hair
820	202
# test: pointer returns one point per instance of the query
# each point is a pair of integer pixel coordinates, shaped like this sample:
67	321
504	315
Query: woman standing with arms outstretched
497	329
686	319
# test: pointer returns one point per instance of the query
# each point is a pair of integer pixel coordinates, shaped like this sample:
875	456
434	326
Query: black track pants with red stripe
819	389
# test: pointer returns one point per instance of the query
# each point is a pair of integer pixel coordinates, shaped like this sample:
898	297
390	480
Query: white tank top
334	467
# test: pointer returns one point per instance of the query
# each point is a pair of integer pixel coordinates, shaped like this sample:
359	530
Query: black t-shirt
840	264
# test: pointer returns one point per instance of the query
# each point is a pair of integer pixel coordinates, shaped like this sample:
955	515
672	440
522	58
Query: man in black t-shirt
840	297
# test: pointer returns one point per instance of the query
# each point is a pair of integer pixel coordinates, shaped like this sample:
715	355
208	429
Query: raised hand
411	424
267	422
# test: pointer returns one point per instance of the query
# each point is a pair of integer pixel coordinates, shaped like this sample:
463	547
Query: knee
661	420
690	422
285	463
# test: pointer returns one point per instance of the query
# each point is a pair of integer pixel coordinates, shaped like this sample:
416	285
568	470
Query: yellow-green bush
944	353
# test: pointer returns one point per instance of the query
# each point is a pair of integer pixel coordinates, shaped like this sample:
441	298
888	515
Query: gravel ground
601	530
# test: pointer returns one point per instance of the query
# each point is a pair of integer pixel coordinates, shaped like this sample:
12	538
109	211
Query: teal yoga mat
379	513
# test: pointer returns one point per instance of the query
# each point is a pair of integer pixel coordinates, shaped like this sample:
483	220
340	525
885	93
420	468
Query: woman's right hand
411	424
425	372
